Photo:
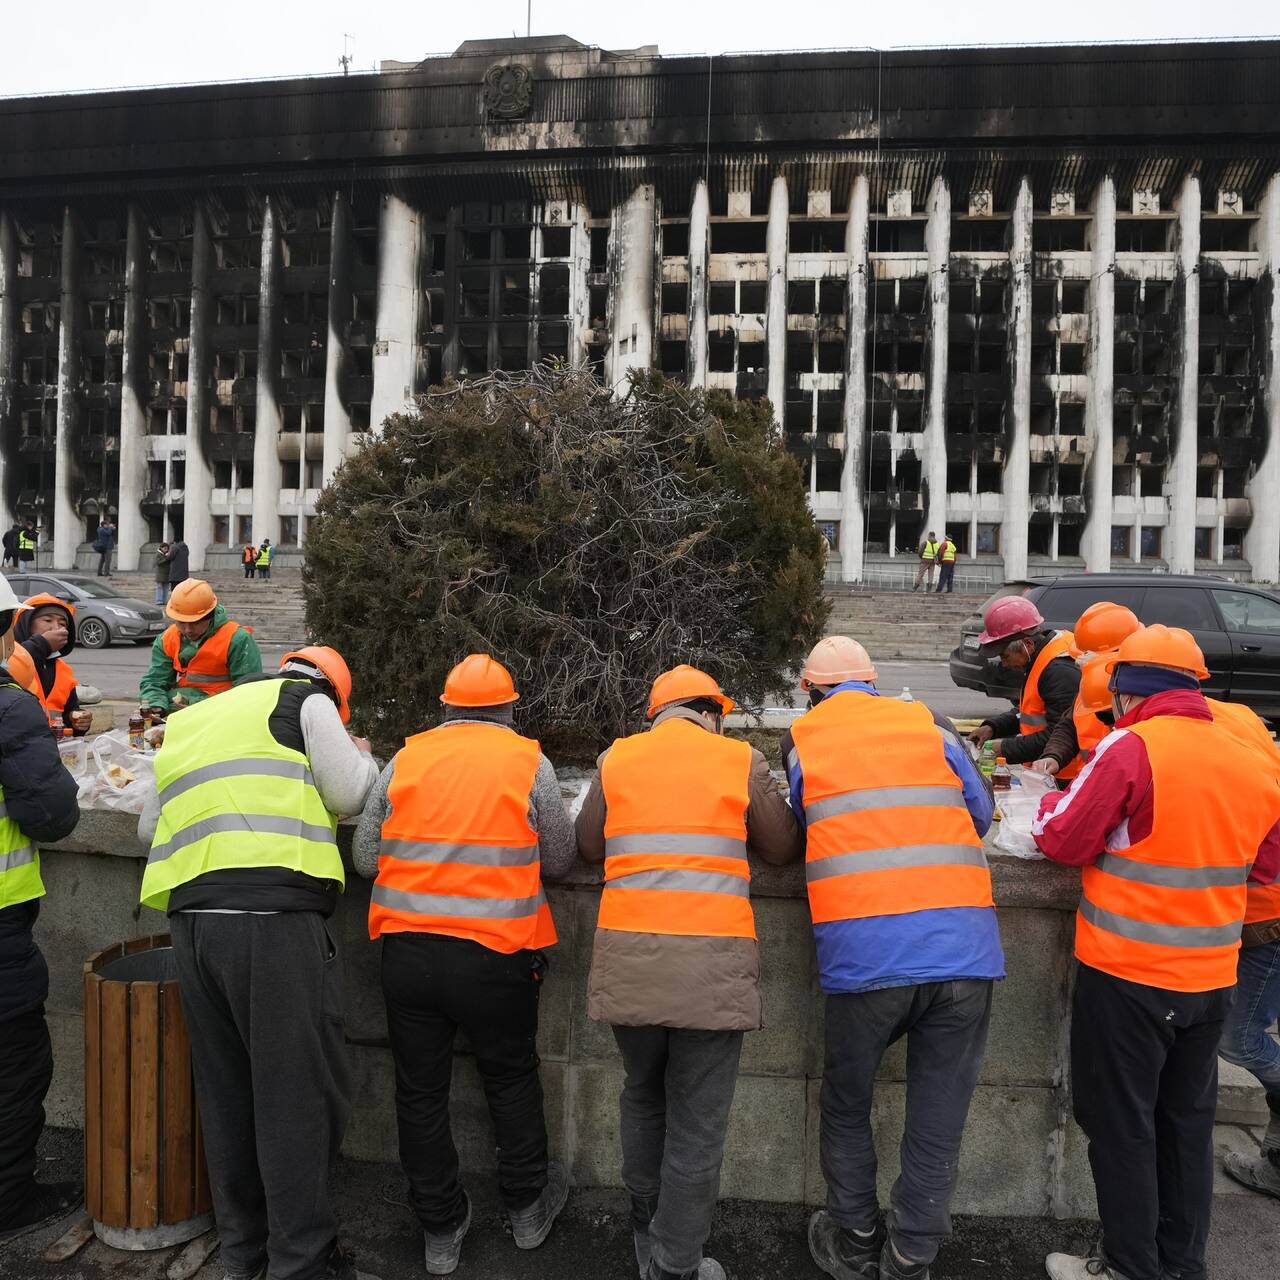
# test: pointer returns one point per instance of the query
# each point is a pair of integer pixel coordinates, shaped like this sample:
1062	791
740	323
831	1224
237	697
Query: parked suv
1237	626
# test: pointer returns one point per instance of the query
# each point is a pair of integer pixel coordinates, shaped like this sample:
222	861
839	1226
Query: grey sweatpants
262	998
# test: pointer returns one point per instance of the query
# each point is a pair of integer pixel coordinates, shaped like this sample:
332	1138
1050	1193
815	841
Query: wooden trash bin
145	1184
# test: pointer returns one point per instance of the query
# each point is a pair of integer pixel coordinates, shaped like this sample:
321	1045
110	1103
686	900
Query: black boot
43	1201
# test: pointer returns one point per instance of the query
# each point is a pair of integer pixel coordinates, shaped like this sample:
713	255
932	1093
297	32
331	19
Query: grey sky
82	44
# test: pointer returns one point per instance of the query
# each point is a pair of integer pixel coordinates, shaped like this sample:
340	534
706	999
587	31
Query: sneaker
708	1269
443	1251
843	1253
531	1226
45	1200
341	1264
892	1267
1258	1173
1067	1266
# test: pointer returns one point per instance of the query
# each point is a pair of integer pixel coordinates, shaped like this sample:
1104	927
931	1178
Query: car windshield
1010	589
89	590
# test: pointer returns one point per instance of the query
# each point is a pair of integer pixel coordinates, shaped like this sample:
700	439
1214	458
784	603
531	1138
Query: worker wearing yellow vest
1014	632
460	831
929	549
947	563
1170	817
672	813
245	861
201	653
266	554
894	810
45	633
37	804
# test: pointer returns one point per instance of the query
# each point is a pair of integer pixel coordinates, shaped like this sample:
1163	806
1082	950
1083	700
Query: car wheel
94	634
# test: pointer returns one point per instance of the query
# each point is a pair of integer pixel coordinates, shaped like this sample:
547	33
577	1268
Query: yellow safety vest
930	551
949	553
19	860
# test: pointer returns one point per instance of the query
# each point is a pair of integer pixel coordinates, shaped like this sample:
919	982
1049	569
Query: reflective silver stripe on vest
673	842
1171	877
246	823
905	856
882	798
479	855
1164	935
447	904
16	858
793	760
195	677
237	769
1033	719
669	880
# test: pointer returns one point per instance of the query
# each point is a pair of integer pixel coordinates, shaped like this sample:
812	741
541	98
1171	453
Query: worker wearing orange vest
1169	819
45	633
201	654
460	831
672	813
894	811
1015	633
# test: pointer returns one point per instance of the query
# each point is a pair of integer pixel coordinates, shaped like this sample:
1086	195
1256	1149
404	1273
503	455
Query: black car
1237	627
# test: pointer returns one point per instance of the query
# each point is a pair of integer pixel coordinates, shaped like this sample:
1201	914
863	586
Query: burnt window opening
827	475
1071	358
753	297
1126	298
1069	539
752	357
894	236
1070	418
993	299
910	357
806	236
1225	235
675	239
599	248
436	252
598	304
964	294
1155	298
958	477
1151	481
1240	297
990	357
721	298
978	235
831	297
516	243
1142	235
477	246
1206	482
989	419
800	298
1044	300
675	299
553	291
556	241
672	355
960	357
738	237
989	477
1058	235
830	357
720	353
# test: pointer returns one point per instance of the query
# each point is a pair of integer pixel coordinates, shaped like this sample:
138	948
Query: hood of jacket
22	628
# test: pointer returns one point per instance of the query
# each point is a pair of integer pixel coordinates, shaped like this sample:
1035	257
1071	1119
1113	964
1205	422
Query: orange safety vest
458	855
1031	708
1167	911
675	834
23	670
210	667
888	829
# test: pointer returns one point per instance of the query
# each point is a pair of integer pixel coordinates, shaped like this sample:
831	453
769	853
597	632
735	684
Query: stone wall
1022	1154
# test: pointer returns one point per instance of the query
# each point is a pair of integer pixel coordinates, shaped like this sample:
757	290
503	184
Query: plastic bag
122	777
1018	808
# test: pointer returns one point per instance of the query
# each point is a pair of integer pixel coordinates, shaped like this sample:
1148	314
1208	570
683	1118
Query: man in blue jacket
894	811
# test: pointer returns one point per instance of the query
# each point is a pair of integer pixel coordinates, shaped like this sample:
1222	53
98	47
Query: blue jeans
1245	1041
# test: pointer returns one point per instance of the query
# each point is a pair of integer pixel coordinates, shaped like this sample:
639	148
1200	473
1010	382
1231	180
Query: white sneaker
1067	1266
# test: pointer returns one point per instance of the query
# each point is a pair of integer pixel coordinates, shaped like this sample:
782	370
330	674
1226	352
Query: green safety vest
25	541
232	797
19	861
264	558
930	551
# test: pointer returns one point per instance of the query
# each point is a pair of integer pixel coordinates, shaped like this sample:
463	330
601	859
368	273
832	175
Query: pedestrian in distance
1171	816
104	543
39	805
908	945
461	830
28	540
11	547
672	813
946	566
249	558
179	564
163	557
266	554
928	553
244	860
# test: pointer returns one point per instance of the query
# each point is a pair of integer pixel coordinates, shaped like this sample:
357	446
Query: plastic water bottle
905	696
987	760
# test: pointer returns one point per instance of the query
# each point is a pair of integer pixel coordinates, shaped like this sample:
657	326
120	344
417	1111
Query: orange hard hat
1103	626
192	600
683	684
836	659
1161	646
331	665
45	601
1095	685
479	681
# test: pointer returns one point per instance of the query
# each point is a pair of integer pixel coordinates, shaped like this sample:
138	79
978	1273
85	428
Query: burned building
1023	295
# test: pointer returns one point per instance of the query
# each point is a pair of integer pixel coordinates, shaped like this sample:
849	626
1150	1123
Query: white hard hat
9	606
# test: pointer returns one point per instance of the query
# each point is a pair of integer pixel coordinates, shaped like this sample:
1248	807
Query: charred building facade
1027	296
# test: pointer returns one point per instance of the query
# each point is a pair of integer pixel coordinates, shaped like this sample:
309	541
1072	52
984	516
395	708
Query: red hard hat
1008	616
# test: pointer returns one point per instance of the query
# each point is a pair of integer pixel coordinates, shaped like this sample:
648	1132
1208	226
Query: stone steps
900	624
274	609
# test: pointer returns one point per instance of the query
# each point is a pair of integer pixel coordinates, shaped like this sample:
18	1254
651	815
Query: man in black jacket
179	563
39	800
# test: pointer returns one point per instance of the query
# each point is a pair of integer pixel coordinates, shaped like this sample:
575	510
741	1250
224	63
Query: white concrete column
197	497
269	420
133	422
853	465
579	286
632	258
396	336
68	529
1181	549
1016	480
8	356
1095	544
937	240
776	303
699	251
337	417
1262	538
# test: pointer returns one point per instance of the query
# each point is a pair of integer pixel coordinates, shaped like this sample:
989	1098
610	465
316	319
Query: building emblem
508	90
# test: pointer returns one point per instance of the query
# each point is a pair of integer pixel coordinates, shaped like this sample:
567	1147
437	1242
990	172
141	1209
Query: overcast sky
84	44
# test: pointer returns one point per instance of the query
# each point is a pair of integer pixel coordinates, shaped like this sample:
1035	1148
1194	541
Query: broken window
738	237
800	298
1225	235
1142	235
1058	235
816	237
675	240
1071	358
672	355
720	353
675	299
752	297
599	248
831	297
897	236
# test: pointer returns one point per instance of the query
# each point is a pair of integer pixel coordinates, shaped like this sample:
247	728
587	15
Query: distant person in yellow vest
929	549
266	554
672	814
947	563
460	831
38	799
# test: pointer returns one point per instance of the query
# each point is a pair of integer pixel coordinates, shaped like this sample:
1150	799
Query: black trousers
262	996
1144	1083
433	986
26	1068
947	576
